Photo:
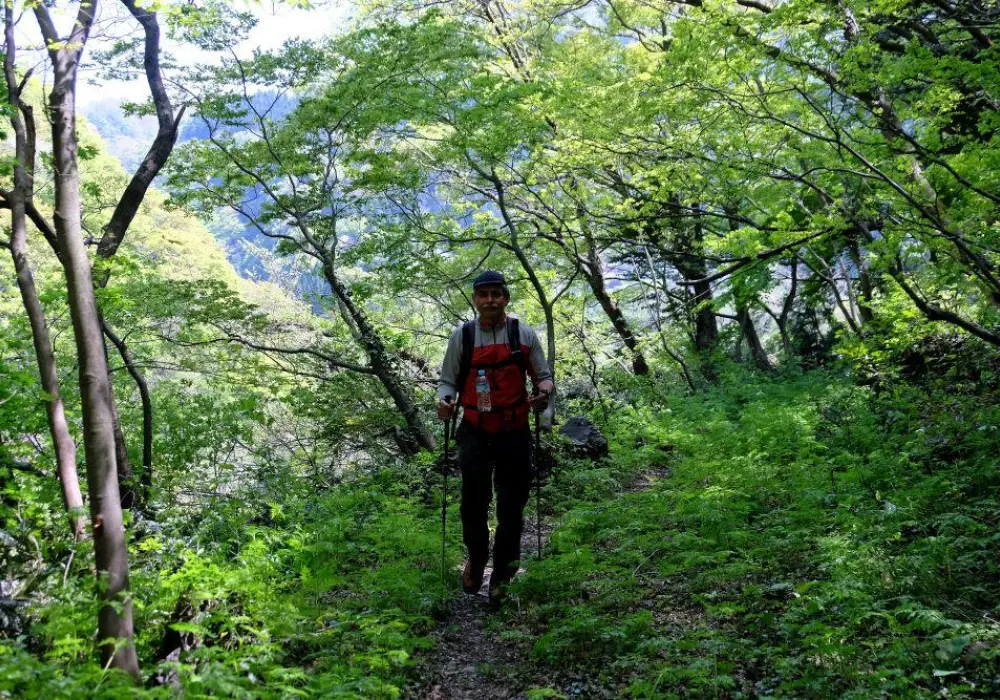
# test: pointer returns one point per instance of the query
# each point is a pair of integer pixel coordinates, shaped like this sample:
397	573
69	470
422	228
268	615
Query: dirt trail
467	663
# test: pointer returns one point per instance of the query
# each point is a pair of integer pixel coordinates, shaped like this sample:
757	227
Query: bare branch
740	263
159	150
233	338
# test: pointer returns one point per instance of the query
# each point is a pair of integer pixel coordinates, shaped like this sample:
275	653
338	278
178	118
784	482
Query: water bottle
482	392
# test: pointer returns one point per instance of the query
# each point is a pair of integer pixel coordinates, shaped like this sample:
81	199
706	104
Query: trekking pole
444	492
538	481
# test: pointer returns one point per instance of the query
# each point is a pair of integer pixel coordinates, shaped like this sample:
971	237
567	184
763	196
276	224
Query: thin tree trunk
549	414
126	475
852	299
62	441
781	320
124	471
593	270
146	478
379	359
864	281
786	308
127	487
595	277
749	332
655	313
114	625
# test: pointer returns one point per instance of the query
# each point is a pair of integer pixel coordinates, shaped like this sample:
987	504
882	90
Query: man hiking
484	369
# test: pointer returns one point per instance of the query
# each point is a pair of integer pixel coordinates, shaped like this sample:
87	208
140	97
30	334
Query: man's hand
446	407
540	400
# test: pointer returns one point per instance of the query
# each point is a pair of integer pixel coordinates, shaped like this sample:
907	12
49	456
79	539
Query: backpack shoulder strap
514	339
465	363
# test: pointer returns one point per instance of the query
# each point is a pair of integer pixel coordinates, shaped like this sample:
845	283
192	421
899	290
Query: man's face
490	301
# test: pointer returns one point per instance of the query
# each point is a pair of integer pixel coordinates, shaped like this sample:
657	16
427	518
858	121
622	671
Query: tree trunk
549	414
706	329
749	332
380	360
691	267
864	281
126	475
786	308
593	270
595	277
146	479
62	441
706	335
114	622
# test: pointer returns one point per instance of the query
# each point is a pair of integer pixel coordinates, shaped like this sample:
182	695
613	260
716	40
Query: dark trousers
501	461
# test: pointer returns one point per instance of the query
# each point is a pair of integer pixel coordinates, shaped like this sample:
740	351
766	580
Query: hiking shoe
498	592
472	578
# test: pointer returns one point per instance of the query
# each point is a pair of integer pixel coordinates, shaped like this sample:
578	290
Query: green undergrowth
797	536
320	596
813	539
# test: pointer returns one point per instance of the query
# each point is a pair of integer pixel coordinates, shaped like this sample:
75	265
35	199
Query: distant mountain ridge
249	252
